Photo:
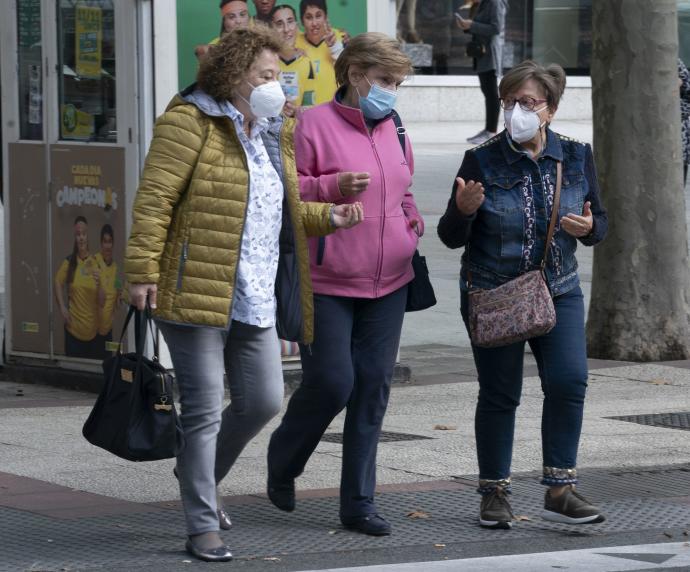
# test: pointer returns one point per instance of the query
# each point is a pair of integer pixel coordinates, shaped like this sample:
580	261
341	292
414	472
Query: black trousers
489	86
350	364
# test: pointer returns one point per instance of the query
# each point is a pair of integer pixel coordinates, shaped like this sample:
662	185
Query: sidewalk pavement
79	508
65	505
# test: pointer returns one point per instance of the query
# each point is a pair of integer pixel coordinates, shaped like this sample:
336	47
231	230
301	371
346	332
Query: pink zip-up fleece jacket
373	258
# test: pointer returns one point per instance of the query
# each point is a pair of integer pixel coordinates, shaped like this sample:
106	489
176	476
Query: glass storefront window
30	69
86	70
684	30
544	30
562	33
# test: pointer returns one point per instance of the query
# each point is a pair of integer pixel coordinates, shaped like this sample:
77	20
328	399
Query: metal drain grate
680	420
156	539
386	437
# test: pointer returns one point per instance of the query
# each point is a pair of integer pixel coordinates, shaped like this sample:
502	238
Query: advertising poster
75	124
88	239
28	271
313	38
88	37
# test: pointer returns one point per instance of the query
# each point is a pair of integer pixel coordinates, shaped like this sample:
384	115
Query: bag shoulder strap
554	212
400	130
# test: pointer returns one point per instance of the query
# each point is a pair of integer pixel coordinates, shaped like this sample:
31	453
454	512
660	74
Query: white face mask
522	125
266	100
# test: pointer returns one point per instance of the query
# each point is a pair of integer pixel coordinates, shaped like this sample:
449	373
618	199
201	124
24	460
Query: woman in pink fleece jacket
348	150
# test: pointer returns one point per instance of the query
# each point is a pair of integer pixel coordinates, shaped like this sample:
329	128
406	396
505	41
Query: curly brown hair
227	62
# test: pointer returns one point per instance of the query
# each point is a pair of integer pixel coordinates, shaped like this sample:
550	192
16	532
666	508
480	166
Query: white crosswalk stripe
606	559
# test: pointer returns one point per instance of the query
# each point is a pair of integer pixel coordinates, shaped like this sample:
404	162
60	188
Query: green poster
199	22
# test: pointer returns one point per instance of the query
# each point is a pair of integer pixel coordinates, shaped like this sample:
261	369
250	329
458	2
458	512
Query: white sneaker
480	137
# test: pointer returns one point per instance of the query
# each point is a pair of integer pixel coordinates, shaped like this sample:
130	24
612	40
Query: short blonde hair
223	68
372	49
551	79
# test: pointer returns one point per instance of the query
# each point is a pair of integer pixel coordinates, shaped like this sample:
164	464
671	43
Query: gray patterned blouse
254	301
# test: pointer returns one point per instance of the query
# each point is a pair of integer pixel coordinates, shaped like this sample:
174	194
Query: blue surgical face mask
378	103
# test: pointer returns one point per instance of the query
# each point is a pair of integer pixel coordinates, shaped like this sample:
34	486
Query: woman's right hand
289	109
351	184
347	216
65	316
138	293
468	196
329	35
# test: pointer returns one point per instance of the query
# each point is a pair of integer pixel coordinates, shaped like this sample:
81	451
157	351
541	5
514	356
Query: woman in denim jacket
499	210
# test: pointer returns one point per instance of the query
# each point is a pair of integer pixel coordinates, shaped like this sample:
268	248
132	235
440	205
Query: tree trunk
640	304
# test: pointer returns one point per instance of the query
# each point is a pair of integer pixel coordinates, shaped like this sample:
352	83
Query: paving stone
633	500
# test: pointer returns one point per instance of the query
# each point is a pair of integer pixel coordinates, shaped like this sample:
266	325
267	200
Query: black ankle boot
282	495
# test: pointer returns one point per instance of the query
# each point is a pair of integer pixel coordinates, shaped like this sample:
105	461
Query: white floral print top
254	301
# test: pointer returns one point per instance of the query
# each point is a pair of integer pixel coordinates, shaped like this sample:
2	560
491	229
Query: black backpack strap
400	130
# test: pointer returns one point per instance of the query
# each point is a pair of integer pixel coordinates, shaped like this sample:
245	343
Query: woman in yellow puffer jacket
218	248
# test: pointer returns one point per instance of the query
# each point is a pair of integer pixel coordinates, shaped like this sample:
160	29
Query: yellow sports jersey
323	63
297	80
82	298
111	285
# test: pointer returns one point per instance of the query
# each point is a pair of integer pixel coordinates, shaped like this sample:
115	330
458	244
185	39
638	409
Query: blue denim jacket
506	236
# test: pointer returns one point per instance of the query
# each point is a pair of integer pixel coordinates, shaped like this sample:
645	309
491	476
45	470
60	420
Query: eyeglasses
526	103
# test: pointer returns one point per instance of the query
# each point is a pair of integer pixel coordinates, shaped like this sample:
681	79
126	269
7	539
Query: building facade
83	81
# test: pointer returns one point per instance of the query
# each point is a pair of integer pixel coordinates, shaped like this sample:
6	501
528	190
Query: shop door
74	82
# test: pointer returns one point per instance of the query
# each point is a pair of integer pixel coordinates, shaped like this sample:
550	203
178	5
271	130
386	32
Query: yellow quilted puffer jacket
189	215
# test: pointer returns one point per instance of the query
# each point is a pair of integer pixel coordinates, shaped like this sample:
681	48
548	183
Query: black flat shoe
220	554
282	495
372	524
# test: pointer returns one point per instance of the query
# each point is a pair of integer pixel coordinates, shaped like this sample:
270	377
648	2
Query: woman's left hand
463	23
330	35
347	216
579	226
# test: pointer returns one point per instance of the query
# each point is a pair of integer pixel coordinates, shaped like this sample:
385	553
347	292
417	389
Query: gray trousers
215	437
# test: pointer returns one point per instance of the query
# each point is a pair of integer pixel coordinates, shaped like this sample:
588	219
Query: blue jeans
561	357
350	364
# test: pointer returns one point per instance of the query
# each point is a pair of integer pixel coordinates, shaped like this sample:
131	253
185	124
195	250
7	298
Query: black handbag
420	292
134	416
475	48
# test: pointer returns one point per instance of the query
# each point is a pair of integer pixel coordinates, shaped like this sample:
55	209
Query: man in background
264	9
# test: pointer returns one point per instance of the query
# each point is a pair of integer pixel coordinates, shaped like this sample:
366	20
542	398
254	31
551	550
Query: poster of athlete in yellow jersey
322	43
297	77
77	285
110	284
88	236
322	27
